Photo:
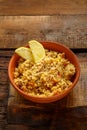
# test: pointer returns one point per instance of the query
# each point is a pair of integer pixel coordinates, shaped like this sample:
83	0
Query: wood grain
72	124
42	7
70	30
3	90
63	21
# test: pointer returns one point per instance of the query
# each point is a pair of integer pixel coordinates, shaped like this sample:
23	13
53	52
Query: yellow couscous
52	75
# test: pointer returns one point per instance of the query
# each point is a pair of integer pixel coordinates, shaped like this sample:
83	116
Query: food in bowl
51	53
48	74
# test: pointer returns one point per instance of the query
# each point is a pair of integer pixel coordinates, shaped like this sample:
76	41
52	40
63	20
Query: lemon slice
25	53
37	49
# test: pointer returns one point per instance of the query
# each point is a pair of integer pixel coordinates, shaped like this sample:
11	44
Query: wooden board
68	109
70	30
62	21
42	7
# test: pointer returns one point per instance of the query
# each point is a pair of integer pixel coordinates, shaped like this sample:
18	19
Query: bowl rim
49	98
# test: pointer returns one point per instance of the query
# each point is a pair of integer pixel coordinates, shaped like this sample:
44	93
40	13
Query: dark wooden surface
63	21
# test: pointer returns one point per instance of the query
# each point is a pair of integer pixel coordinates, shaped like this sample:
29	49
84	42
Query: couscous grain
50	76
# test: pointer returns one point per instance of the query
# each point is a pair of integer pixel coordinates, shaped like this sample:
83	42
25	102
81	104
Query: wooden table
63	21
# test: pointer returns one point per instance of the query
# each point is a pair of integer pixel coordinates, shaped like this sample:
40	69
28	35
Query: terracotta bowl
56	47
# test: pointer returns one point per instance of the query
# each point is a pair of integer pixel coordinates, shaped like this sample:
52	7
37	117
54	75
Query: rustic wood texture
62	21
70	119
42	7
3	90
70	30
35	114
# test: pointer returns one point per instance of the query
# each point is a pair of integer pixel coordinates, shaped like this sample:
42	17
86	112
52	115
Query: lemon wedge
25	53
37	50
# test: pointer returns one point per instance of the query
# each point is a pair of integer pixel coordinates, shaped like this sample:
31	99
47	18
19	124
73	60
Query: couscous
50	76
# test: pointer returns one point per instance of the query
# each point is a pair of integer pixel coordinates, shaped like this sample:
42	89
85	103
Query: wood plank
3	88
42	7
17	127
35	114
3	80
70	30
3	113
76	121
24	127
72	119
